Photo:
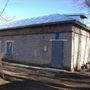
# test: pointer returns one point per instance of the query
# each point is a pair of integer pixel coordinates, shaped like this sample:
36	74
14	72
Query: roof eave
74	22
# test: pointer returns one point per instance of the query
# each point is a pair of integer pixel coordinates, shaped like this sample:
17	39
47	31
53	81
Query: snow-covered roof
41	20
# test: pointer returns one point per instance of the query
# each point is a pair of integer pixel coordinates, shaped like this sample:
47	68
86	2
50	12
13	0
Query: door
57	54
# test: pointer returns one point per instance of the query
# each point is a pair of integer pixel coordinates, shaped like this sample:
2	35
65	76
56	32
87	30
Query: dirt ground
23	79
28	84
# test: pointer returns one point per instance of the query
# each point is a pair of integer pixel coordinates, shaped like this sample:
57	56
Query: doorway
57	54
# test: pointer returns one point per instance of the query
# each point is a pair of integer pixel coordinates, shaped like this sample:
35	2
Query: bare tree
1	55
84	6
87	2
83	3
1	13
4	8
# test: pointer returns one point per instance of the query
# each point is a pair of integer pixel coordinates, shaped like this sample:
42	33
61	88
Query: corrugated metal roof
41	20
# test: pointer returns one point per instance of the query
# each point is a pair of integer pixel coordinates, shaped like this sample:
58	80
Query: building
58	41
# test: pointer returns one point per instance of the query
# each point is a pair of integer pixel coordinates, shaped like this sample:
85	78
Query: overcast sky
20	9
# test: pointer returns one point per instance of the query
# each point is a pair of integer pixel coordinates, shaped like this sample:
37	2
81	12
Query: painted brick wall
28	46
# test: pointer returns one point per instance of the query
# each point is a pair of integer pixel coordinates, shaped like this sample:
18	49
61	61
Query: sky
21	9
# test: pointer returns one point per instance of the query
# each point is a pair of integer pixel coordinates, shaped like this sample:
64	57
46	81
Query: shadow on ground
36	85
26	85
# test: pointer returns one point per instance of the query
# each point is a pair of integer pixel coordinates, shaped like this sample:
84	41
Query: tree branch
4	8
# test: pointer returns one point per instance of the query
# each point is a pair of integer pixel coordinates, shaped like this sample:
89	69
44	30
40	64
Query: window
9	47
57	35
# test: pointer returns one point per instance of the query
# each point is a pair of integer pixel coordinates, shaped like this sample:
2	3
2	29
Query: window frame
11	41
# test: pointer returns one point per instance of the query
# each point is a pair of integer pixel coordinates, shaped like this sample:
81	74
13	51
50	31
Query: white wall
80	48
